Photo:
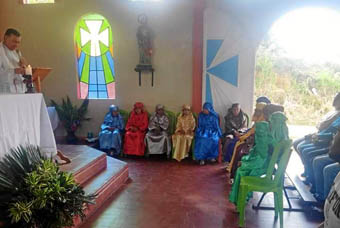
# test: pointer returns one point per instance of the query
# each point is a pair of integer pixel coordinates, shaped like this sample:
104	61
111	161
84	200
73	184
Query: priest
12	64
12	67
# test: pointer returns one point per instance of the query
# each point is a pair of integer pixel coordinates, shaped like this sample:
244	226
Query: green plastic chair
124	114
247	119
172	122
281	155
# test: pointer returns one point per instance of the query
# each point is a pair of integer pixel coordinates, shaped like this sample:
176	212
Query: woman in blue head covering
111	129
207	135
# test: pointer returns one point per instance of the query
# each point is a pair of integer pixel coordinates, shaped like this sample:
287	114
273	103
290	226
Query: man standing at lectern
12	67
12	64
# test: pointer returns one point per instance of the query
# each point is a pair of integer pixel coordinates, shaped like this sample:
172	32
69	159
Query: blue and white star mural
221	73
225	70
228	62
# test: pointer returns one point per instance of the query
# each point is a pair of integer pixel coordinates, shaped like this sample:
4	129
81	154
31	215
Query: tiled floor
170	194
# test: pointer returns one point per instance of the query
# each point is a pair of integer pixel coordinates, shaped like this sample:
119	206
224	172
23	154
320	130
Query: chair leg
241	203
280	206
276	204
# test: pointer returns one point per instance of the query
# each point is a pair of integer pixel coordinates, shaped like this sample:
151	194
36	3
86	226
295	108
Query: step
86	162
105	185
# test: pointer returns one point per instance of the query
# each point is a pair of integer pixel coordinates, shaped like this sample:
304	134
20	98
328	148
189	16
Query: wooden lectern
38	75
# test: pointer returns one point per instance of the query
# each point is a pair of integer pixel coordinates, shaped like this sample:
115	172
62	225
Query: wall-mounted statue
145	46
145	40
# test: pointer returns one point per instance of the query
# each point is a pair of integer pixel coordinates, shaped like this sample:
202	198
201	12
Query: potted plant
71	116
34	193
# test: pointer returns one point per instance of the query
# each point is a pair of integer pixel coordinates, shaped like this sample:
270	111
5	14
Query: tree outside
306	89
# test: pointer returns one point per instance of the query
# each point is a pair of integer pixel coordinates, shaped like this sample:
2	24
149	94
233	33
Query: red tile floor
165	193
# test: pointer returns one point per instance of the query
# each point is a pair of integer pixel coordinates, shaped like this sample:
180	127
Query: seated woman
245	141
135	131
157	138
207	135
267	135
111	129
184	134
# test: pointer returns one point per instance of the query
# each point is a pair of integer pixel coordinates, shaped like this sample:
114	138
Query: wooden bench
300	187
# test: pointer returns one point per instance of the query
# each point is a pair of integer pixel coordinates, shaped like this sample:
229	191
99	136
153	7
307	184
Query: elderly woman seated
135	131
110	136
184	134
207	135
157	139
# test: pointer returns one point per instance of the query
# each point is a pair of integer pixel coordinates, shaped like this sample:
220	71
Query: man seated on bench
325	168
325	122
235	125
319	146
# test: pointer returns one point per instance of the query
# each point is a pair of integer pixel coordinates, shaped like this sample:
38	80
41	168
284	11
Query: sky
311	34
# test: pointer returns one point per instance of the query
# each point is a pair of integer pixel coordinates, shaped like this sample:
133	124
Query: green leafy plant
34	193
71	116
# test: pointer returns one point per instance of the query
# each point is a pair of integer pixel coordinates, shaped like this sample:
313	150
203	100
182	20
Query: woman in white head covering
157	138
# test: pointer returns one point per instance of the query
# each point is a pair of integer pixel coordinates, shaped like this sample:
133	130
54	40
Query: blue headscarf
210	108
113	121
114	108
263	99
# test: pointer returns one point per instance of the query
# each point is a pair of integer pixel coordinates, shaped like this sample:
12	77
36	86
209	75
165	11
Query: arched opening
298	63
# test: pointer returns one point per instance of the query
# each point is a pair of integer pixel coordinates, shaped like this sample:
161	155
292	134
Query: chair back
280	150
283	162
124	114
172	121
247	119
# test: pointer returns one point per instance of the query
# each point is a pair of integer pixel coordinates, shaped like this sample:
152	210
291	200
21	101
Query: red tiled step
86	162
105	185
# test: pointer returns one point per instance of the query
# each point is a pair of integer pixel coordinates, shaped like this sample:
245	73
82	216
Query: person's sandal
63	157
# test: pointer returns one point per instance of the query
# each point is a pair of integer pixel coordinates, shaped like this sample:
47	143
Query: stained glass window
95	63
37	1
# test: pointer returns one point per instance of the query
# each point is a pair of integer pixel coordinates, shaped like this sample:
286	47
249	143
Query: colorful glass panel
95	63
37	1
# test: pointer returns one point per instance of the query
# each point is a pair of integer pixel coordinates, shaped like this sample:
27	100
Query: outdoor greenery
305	90
34	193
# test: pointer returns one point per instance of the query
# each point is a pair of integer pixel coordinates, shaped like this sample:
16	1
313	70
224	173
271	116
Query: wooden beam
197	54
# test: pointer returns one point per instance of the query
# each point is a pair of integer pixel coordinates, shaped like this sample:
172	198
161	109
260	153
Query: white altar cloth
24	120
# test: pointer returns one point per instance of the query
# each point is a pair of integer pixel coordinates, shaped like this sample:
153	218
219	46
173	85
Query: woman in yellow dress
184	134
